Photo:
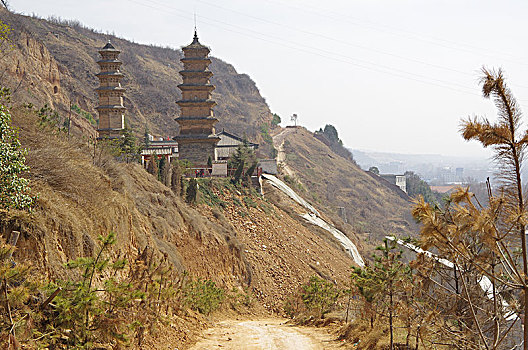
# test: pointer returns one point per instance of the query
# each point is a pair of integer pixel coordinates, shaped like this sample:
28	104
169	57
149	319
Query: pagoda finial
195	30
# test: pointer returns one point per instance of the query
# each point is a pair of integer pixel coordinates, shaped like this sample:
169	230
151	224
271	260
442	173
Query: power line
392	31
326	37
317	51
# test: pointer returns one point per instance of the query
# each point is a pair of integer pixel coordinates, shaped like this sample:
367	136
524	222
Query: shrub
319	296
250	202
14	189
203	296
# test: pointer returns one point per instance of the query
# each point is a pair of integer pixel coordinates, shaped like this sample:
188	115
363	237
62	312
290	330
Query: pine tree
128	144
486	242
238	172
243	154
319	295
146	138
192	191
152	167
176	178
377	283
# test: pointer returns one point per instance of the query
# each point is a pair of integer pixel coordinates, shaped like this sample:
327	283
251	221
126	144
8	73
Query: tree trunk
390	317
417	337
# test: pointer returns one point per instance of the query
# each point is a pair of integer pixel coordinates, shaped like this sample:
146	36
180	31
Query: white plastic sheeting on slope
314	219
484	282
291	193
340	236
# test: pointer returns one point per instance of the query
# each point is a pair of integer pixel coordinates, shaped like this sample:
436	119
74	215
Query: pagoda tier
197	140
110	93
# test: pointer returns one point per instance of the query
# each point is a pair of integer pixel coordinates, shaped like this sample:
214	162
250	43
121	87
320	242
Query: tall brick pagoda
197	140
111	110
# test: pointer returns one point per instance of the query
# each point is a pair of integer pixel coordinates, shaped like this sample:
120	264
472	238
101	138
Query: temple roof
109	47
196	43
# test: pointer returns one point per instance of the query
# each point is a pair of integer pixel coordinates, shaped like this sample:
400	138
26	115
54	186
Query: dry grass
334	181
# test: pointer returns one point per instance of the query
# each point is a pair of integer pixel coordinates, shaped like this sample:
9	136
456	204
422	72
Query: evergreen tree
331	133
146	138
276	119
244	154
163	170
209	162
192	191
128	144
238	172
319	295
416	186
377	283
241	160
176	178
152	167
249	172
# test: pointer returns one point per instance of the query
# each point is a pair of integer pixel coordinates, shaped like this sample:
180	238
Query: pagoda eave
110	107
110	74
196	118
110	88
203	73
196	103
110	61
195	59
197	87
109	50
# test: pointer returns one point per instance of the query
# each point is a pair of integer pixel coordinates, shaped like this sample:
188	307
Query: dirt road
266	334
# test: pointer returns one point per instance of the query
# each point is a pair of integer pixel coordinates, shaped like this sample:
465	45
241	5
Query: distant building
398	180
167	149
111	109
269	166
443	189
197	140
228	144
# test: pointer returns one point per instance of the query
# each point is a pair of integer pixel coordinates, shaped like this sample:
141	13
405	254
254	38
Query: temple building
111	109
197	140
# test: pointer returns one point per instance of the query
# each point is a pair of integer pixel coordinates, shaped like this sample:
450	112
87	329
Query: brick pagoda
197	140
111	110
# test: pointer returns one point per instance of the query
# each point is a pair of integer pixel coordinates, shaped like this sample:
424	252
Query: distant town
439	171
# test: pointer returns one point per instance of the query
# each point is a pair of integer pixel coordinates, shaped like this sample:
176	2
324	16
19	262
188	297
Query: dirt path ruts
266	334
278	141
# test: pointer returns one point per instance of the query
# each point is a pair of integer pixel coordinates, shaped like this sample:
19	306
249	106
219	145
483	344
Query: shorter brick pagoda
111	110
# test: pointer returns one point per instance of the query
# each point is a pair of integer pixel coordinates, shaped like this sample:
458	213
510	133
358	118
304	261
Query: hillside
63	65
234	237
330	181
62	68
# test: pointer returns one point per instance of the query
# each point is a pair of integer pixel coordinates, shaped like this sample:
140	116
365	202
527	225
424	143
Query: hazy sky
393	75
